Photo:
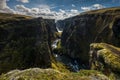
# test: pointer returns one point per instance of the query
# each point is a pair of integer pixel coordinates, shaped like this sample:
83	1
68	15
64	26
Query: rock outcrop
25	42
51	74
105	58
89	27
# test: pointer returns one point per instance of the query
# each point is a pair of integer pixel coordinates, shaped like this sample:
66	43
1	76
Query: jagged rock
25	42
93	26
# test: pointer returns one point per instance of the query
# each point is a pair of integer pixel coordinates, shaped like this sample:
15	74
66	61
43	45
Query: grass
60	67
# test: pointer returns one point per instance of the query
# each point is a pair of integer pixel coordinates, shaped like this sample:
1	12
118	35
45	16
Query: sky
54	9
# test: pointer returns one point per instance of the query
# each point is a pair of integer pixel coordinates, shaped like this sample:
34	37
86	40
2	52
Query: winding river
73	64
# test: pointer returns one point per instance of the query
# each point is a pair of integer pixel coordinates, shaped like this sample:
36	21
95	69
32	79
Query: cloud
3	4
98	6
73	5
44	6
62	11
93	7
86	8
24	1
21	8
74	11
46	12
4	8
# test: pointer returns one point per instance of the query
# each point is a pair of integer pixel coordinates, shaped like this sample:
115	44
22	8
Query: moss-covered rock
51	74
105	57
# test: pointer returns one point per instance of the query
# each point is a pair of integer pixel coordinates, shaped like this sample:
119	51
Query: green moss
109	54
87	72
60	67
59	44
58	34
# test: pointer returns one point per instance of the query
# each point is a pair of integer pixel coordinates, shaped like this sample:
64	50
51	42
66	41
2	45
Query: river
73	64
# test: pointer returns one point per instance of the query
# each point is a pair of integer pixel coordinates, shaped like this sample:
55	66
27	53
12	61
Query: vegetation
60	67
60	49
51	74
58	34
107	60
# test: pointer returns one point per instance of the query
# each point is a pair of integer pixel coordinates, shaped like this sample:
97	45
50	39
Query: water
54	44
73	64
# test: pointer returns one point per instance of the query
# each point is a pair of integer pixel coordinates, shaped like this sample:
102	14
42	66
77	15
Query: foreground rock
51	74
89	27
105	57
25	42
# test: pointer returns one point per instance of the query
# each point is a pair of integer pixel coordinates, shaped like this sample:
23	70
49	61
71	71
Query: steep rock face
105	57
25	42
94	26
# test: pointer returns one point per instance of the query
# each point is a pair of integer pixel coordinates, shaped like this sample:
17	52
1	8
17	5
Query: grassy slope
5	16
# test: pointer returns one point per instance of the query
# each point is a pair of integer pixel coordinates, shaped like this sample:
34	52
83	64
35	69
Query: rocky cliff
25	42
89	27
60	24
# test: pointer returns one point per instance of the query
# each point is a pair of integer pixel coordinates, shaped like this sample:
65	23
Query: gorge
77	48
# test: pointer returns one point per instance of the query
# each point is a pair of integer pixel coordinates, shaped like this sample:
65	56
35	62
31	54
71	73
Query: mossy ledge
105	57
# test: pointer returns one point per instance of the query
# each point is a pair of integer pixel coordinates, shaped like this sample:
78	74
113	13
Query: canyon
83	47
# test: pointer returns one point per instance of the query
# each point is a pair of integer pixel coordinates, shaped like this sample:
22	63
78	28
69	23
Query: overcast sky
56	9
